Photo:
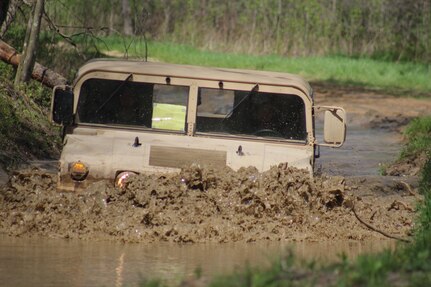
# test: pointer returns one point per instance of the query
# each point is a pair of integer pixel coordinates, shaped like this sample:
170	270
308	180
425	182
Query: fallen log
40	73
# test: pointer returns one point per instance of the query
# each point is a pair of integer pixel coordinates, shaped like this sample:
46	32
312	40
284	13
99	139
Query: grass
169	117
25	132
401	78
419	134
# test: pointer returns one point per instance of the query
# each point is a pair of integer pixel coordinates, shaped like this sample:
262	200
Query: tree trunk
19	70
28	58
40	73
4	6
127	24
10	16
111	19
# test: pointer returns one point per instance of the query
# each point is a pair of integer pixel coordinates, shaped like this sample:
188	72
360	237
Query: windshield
130	103
251	113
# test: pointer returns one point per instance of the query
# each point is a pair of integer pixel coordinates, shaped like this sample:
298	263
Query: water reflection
51	262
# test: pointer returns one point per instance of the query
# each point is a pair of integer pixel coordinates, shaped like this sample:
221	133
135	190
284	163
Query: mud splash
201	205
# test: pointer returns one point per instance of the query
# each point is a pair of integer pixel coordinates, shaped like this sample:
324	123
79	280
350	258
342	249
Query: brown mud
221	205
411	165
207	205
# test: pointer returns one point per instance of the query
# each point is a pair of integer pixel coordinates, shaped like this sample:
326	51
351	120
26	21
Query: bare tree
127	19
28	58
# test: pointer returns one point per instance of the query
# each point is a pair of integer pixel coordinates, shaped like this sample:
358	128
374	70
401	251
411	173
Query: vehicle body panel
109	152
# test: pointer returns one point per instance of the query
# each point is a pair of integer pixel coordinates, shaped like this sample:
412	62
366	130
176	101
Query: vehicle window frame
153	81
262	89
191	111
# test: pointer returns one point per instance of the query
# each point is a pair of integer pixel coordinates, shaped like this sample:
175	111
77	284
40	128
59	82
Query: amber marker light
78	171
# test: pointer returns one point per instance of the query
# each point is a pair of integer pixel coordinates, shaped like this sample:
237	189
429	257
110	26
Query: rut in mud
202	205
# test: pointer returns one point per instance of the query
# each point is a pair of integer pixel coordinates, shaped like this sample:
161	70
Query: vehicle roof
196	72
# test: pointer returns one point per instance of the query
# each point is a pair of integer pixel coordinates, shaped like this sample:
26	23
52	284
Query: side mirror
62	105
334	126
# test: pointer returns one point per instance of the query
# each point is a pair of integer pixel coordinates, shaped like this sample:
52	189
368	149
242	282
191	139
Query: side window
115	102
251	113
170	107
214	106
148	105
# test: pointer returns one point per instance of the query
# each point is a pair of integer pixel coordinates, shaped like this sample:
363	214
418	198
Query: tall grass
397	77
395	30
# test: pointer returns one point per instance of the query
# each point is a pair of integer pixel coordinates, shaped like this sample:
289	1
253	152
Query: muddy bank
373	108
203	205
411	165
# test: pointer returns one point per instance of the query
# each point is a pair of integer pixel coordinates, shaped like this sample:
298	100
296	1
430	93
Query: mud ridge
200	205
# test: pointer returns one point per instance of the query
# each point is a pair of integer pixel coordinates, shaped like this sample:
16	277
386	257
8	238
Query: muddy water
307	213
48	262
364	151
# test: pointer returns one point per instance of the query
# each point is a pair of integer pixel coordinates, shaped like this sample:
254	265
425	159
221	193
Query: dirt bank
204	205
373	108
25	131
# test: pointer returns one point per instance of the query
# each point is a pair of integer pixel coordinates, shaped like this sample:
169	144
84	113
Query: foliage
390	30
313	37
15	36
64	58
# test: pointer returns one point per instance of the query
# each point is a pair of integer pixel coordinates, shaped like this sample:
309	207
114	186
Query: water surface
59	262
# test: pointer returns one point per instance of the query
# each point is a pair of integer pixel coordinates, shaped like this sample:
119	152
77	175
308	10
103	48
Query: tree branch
377	230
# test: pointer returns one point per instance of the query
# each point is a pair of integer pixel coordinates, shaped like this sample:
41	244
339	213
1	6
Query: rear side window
251	113
114	102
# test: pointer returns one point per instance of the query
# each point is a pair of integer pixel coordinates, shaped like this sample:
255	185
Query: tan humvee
129	117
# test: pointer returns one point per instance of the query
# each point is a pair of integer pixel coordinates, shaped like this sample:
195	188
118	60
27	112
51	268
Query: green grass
169	117
396	77
419	134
